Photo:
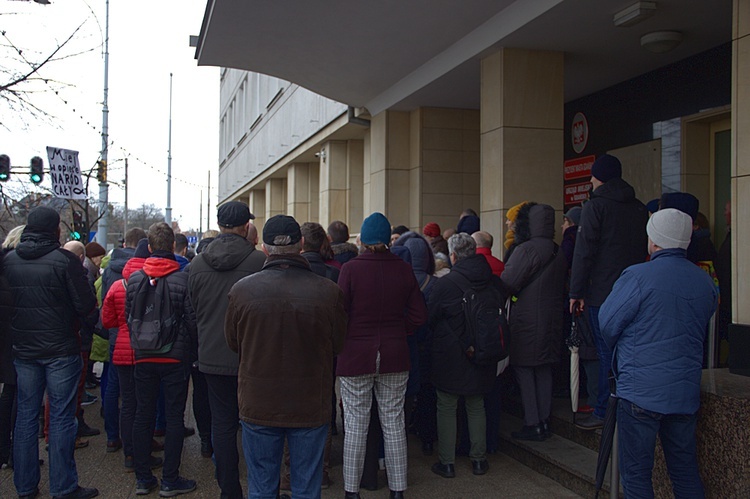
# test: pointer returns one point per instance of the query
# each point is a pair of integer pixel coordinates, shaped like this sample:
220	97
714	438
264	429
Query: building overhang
401	55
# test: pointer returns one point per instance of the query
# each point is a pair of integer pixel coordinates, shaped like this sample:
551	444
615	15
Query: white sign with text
65	173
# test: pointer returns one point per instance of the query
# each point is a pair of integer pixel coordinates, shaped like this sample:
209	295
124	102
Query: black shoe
427	448
590	422
397	494
189	432
351	495
444	470
80	493
480	467
176	488
145	487
534	433
206	449
85	430
546	430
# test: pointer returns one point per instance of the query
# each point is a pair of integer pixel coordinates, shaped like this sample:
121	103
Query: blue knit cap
376	229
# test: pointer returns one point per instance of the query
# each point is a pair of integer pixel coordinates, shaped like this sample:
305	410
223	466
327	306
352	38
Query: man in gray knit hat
654	320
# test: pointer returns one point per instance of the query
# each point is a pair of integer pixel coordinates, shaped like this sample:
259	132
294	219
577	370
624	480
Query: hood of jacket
120	257
475	268
534	220
34	245
616	190
132	265
341	248
159	267
422	258
227	251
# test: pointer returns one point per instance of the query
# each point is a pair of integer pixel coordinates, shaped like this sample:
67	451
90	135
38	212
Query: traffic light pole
168	211
103	229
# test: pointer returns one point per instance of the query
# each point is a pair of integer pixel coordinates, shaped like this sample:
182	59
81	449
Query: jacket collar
285	261
156	266
667	253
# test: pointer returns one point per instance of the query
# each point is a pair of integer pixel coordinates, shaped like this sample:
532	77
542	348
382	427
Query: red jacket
496	265
382	298
113	314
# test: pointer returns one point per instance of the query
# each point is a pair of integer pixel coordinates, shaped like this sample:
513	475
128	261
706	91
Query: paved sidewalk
506	478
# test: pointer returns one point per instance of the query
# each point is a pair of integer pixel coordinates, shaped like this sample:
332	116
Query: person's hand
576	305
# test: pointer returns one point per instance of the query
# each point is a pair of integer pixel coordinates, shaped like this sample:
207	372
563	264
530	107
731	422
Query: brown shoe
156	446
81	443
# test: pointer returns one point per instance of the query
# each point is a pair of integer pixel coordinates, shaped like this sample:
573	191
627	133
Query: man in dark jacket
51	296
213	272
170	368
458	376
113	273
343	250
287	323
655	321
611	237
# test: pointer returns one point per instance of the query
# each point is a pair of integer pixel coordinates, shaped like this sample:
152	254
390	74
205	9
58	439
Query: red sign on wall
575	194
578	168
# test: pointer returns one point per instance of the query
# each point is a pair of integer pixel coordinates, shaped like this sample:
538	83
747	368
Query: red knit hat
431	229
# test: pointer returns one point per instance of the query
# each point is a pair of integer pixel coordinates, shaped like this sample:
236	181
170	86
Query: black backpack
485	324
152	321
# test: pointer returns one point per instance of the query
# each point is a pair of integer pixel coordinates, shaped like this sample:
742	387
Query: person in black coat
611	237
458	375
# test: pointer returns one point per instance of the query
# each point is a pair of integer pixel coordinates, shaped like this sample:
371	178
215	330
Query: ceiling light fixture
660	42
634	14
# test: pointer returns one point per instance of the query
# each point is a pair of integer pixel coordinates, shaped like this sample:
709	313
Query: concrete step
569	463
562	421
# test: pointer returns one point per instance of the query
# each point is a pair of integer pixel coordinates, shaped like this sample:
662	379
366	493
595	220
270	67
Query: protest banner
65	173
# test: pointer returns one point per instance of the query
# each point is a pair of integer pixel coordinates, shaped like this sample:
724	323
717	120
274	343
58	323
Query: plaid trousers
356	394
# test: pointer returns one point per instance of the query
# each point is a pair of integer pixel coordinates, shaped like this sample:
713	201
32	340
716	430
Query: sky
148	40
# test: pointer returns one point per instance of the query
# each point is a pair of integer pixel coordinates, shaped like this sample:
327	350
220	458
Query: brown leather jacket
286	323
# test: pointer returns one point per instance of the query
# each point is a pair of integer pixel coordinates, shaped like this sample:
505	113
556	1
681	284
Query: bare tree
21	79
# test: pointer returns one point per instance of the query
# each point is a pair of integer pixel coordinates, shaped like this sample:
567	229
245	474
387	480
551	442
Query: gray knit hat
670	228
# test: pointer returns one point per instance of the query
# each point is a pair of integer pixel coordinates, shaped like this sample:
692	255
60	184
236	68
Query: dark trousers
225	421
426	413
201	406
492	406
637	429
7	420
536	392
148	377
125	376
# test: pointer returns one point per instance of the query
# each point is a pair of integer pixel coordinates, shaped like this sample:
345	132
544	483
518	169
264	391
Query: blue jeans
637	430
60	377
264	446
605	363
111	401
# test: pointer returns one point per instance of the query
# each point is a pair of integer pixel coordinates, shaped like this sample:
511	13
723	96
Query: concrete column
444	165
298	192
314	176
740	162
388	170
521	130
333	182
355	152
275	197
257	204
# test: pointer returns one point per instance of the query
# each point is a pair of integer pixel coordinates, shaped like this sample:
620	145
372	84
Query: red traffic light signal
37	170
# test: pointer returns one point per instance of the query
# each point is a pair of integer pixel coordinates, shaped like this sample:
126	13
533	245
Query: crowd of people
264	329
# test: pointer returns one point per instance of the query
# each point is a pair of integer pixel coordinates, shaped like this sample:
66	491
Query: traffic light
37	170
101	171
78	226
4	167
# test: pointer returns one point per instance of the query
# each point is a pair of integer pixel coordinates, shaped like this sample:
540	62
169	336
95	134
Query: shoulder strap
425	283
544	267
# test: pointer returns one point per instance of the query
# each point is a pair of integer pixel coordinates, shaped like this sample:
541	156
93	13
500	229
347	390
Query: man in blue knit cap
611	237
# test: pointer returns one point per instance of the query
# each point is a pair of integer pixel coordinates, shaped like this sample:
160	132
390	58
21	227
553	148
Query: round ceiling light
660	42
